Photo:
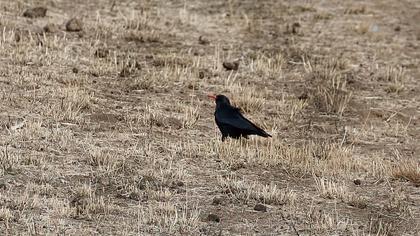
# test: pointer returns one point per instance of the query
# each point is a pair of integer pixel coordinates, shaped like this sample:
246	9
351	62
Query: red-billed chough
231	122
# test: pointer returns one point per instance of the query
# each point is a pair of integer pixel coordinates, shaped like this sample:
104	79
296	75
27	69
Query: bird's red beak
211	96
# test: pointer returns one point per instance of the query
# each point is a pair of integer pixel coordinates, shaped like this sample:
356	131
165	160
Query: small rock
75	70
35	12
397	28
74	25
293	28
204	73
260	207
357	182
217	200
231	65
201	74
202	40
213	217
102	52
179	183
94	74
296	25
50	28
17	37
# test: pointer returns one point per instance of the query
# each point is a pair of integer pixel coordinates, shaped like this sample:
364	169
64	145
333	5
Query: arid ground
106	128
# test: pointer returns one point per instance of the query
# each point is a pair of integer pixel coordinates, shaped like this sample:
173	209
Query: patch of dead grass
330	159
331	189
325	222
69	104
246	98
330	93
268	66
87	204
395	78
166	217
156	170
8	160
6	215
251	191
407	169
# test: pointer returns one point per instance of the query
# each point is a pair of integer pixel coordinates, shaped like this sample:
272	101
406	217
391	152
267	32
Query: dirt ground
106	128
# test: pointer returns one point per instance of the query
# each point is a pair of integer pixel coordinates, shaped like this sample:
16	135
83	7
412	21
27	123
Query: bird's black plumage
232	123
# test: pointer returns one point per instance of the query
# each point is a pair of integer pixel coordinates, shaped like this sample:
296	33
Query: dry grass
329	189
329	159
168	218
248	99
407	170
327	222
394	76
8	161
329	79
248	191
268	66
108	130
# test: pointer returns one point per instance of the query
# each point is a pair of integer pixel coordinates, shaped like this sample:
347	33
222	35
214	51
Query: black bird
231	122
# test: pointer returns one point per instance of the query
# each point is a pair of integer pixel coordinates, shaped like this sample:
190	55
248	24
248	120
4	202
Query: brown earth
107	129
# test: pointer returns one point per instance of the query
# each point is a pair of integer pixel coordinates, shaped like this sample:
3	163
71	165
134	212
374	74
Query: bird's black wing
232	117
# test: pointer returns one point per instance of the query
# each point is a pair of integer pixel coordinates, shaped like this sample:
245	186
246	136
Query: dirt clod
201	74
357	182
74	25
94	74
218	200
303	96
213	217
17	37
35	12
260	207
178	183
337	88
233	65
203	40
293	28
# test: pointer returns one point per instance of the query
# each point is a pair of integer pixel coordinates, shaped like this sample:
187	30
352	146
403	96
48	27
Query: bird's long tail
263	133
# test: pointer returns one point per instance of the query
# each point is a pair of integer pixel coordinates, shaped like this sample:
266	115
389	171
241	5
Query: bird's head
220	99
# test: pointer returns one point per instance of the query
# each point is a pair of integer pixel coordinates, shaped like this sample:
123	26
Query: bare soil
106	128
